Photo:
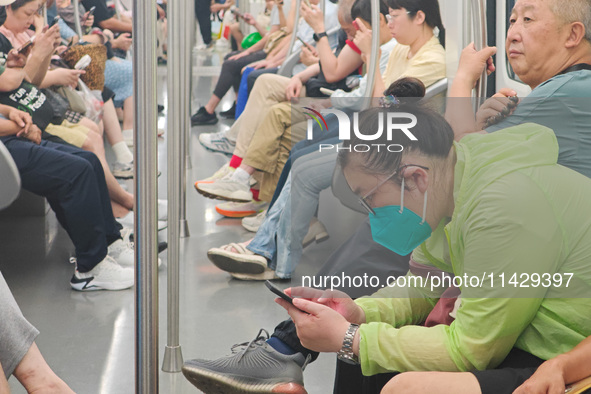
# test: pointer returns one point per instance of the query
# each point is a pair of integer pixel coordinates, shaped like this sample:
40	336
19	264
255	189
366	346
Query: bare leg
89	124
119	211
128	113
37	377
112	127
433	382
94	144
4	388
237	34
247	168
212	103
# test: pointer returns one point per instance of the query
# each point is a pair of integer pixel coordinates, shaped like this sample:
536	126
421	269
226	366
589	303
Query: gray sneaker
253	367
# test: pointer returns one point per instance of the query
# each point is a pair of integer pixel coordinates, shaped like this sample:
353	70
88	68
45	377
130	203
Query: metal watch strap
346	353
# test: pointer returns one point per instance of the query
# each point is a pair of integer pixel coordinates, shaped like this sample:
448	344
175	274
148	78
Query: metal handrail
77	23
294	31
480	41
145	224
374	61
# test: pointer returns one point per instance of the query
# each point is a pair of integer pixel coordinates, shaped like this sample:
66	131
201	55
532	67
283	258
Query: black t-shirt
26	97
101	13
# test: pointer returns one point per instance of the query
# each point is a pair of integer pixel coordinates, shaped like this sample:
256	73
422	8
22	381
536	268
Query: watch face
347	360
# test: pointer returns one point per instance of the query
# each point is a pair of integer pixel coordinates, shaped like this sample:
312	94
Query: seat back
10	179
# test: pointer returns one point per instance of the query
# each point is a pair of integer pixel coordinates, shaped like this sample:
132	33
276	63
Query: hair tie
436	32
389	101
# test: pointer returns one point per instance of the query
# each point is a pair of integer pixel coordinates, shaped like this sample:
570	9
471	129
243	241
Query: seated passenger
106	18
279	247
234	62
271	125
19	16
260	24
465	193
19	355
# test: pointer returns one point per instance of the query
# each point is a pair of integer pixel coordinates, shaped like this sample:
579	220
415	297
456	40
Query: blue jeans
280	237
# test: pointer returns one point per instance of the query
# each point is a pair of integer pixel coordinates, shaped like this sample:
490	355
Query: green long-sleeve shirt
516	211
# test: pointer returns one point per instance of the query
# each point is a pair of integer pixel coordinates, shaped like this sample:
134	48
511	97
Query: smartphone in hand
54	21
277	291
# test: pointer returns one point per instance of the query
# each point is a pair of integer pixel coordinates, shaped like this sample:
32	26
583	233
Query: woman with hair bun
506	209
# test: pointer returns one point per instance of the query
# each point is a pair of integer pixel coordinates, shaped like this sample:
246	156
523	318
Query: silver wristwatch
346	353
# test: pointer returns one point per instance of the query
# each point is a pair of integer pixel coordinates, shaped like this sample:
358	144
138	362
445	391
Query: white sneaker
106	275
217	142
224	171
122	250
225	189
254	222
122	170
127	222
241	209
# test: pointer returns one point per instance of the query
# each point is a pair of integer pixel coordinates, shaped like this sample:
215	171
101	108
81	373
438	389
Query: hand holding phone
307	2
304	43
26	46
54	21
355	25
277	291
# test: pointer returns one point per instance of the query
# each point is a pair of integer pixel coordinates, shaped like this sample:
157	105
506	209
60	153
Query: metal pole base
188	164
184	229
173	359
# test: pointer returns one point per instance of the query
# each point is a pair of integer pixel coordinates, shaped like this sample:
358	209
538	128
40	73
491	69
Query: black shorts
517	367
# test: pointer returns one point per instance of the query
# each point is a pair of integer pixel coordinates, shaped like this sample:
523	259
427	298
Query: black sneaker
231	113
253	367
202	117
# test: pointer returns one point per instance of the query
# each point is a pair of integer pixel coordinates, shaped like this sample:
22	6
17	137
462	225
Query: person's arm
11	78
38	62
116	25
61	77
4	388
294	87
290	21
335	69
459	111
553	375
279	6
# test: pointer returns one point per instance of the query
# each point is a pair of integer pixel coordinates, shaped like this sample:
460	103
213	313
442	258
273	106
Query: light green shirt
516	211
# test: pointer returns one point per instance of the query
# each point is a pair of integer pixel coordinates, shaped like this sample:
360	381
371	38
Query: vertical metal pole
479	32
77	23
146	253
294	31
173	359
184	105
190	13
375	45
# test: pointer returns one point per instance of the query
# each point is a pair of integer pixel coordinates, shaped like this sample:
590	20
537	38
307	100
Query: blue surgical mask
398	229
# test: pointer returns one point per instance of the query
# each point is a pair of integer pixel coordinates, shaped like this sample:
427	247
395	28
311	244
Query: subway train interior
186	302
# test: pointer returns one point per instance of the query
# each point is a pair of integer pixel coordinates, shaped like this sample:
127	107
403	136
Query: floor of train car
88	338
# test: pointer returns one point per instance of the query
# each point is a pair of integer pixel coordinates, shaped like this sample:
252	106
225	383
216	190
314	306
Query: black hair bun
407	90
